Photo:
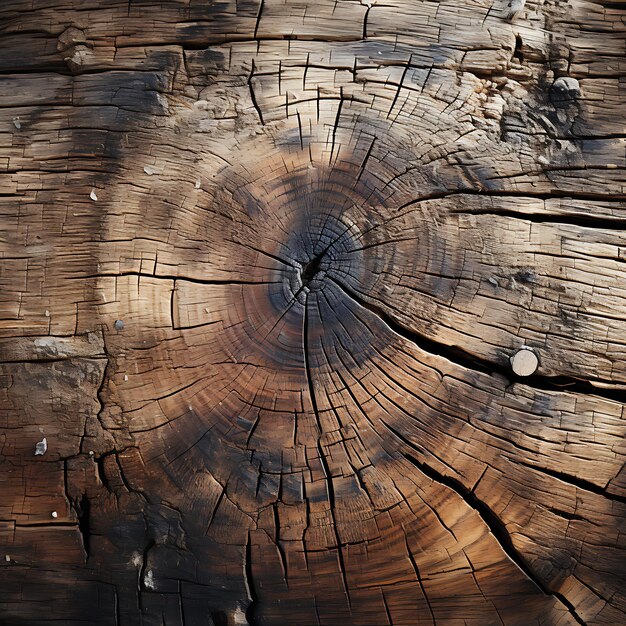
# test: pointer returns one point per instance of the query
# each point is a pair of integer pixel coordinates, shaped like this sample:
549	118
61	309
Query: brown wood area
312	312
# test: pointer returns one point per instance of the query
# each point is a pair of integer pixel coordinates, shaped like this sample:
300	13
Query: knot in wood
322	250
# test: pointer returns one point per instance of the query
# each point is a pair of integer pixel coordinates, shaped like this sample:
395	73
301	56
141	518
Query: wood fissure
495	525
469	361
312	312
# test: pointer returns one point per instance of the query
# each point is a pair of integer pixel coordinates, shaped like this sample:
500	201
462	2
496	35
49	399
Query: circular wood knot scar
524	362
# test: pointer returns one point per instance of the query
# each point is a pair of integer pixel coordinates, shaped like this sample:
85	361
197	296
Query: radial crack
249	581
470	361
575	481
571	219
320	450
255	104
495	525
419	578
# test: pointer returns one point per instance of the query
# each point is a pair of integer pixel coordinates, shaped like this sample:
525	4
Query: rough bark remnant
265	270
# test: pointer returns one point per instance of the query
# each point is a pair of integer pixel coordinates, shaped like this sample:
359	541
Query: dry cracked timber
263	267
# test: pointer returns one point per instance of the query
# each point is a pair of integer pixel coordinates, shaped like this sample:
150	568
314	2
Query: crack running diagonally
467	360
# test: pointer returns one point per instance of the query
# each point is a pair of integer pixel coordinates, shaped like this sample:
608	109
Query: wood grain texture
263	268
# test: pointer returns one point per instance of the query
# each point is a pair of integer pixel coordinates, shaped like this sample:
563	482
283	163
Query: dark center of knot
309	271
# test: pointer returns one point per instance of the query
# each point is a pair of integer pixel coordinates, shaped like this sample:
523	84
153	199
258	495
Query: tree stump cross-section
312	313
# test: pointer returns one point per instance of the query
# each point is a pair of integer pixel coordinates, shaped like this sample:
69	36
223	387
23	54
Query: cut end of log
268	271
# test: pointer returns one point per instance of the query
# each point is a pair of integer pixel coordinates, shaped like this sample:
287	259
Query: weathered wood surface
264	269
